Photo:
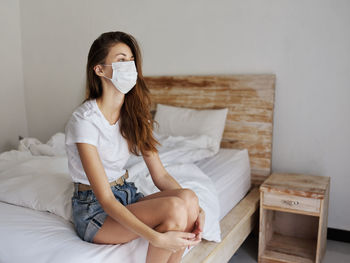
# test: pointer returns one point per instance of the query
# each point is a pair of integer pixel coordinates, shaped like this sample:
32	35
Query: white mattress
230	171
29	235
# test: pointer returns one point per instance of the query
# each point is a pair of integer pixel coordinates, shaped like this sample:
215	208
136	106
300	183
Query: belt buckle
126	174
123	179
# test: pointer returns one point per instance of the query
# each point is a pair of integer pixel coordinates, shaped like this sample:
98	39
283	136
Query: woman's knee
176	214
191	201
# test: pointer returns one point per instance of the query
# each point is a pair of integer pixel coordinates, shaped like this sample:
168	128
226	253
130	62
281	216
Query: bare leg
155	254
162	214
191	202
190	198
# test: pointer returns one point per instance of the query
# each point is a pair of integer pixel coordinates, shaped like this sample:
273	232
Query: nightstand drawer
292	202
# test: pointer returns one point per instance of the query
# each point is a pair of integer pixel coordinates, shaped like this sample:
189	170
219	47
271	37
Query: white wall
55	44
305	43
12	104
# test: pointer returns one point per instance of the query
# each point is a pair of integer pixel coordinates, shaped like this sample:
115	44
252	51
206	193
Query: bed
243	161
249	125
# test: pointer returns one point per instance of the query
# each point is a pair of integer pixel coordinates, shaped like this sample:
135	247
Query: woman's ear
98	70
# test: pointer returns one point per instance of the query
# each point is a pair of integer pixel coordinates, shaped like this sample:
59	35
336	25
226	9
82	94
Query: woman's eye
125	60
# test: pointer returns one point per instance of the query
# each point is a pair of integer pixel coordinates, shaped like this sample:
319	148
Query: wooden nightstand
293	218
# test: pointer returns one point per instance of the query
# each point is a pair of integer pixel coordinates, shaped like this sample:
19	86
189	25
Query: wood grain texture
298	209
250	103
292	203
311	186
322	230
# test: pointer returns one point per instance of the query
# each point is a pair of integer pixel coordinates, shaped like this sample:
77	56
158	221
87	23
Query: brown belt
119	181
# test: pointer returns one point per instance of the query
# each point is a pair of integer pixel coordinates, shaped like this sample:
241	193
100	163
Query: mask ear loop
105	76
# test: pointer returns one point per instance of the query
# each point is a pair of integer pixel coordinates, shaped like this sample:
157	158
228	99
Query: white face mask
124	75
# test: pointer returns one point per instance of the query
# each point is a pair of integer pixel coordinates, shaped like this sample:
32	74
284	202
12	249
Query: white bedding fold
175	150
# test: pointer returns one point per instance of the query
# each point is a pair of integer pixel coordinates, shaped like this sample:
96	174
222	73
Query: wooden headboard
250	103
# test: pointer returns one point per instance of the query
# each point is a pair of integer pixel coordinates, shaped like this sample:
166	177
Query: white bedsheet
27	235
230	171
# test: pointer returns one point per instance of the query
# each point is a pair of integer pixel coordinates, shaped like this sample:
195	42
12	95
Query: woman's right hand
175	240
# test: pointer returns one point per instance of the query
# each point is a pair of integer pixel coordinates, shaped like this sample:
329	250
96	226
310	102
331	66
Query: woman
113	121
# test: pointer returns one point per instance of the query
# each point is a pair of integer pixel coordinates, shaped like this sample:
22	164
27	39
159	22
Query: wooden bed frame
249	125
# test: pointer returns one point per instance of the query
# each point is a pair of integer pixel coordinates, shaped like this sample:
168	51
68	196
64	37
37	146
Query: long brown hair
136	122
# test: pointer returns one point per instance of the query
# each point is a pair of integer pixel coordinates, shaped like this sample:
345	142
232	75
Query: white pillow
178	121
41	183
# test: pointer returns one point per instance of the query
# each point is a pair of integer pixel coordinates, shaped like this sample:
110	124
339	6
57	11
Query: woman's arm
161	178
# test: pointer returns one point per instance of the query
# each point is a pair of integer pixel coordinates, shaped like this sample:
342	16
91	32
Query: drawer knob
290	202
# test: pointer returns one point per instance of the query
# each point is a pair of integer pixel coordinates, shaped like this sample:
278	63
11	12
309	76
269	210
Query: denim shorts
88	214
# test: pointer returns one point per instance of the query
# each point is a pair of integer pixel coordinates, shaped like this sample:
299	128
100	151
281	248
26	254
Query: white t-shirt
88	125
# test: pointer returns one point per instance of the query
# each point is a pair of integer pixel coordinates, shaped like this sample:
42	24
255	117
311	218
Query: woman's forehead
120	49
